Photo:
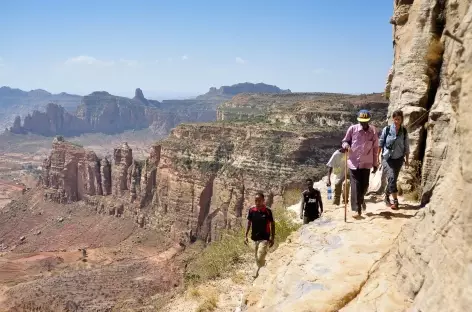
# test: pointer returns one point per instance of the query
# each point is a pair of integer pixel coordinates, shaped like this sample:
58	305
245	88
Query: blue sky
185	47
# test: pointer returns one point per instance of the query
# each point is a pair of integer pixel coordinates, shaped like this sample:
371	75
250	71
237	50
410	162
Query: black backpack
387	131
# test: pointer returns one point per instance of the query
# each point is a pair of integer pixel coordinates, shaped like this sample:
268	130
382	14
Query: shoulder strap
387	131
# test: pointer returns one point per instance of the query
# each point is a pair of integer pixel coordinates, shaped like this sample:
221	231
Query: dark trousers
308	219
359	187
392	168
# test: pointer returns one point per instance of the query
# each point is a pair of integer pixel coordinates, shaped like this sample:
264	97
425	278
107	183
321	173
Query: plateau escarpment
101	112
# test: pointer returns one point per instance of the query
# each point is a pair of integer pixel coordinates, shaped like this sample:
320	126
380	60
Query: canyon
138	215
192	186
201	178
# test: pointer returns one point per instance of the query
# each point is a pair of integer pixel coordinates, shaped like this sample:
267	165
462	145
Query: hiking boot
387	201
395	204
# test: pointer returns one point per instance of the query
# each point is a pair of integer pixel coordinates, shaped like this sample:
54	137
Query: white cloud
130	63
88	60
239	60
184	58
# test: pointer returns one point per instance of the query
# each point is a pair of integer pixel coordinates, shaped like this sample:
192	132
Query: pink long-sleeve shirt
363	145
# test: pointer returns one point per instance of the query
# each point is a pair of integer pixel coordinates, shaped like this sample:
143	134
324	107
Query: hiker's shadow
389	215
410	207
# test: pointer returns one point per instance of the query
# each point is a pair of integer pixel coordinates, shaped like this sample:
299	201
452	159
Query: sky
183	48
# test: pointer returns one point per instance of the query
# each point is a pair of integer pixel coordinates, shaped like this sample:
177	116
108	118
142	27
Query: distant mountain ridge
16	102
103	112
227	92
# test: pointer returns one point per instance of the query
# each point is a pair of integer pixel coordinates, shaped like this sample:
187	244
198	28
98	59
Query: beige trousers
261	248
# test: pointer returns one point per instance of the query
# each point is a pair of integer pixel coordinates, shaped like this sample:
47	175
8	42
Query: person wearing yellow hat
361	141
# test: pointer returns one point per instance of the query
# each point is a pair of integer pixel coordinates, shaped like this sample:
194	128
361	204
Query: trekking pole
345	186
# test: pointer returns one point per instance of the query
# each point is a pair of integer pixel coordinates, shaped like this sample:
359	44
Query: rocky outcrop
15	102
105	174
70	172
122	160
55	120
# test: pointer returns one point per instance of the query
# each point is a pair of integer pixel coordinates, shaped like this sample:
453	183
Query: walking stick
345	186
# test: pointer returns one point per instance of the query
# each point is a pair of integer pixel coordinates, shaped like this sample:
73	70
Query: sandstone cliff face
70	173
322	110
55	120
433	71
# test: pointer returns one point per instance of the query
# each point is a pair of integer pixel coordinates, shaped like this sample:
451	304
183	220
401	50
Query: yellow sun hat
363	115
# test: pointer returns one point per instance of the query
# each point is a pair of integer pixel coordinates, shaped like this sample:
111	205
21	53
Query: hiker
311	205
394	149
261	221
361	142
337	162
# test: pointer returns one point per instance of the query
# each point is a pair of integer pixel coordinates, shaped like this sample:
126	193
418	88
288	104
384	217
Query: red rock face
71	172
123	158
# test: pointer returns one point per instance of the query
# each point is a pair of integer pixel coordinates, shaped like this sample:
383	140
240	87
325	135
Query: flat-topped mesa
315	109
71	172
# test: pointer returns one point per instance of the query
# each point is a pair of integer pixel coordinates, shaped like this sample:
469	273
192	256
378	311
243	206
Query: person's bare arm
330	171
347	139
376	152
248	227
321	202
301	206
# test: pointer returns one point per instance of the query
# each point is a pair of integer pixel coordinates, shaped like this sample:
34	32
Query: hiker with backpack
394	149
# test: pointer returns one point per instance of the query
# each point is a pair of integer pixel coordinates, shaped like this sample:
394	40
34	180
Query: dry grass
194	292
435	52
208	305
238	278
209	300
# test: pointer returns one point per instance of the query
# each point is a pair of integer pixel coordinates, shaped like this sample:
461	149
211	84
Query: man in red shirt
260	219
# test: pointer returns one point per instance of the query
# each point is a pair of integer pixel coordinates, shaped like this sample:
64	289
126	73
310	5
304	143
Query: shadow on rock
389	215
410	207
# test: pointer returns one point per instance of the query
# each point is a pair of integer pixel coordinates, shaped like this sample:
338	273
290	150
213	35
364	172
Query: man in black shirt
311	205
260	219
